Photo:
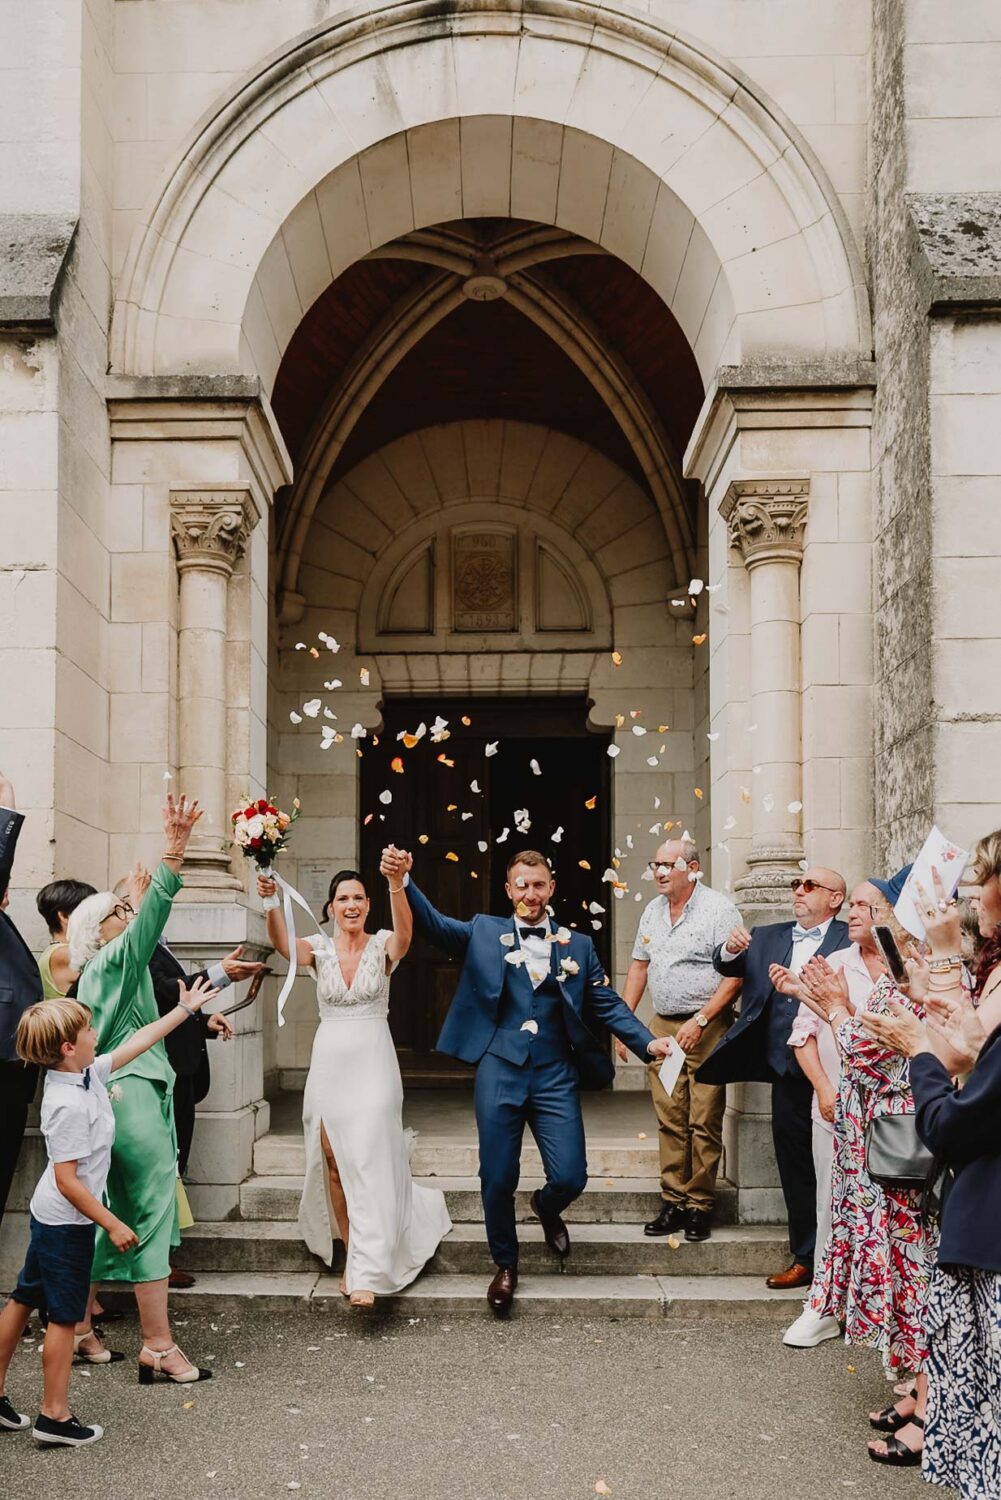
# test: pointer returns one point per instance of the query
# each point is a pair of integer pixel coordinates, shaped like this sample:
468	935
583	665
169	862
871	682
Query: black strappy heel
898	1455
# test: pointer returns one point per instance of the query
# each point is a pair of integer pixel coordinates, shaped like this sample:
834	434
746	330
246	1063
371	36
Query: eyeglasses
123	911
862	907
810	885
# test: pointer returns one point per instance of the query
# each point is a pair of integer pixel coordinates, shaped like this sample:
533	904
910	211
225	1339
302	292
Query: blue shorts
57	1271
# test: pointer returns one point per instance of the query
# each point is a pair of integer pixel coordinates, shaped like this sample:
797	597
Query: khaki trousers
690	1121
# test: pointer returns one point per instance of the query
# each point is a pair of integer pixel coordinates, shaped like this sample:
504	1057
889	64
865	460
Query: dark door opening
460	866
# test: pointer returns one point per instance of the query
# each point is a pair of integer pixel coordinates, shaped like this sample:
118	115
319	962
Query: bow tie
539	932
798	932
86	1078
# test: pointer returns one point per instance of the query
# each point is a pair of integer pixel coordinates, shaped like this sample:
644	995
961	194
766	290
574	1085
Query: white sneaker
810	1329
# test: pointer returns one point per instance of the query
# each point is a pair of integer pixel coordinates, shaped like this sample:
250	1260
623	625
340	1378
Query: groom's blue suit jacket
473	1015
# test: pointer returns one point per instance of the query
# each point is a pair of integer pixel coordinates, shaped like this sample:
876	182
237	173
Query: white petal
695	587
638	730
364	676
295	718
335	682
557	835
731	822
385	798
466	817
614	750
652	760
492	748
536	769
474	786
794	807
483	846
595	908
358	731
507	938
502	836
312	708
327	714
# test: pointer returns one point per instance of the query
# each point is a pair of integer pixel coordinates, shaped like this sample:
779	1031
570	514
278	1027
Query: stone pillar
210	530
766	519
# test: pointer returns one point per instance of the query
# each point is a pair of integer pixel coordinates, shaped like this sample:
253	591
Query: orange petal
591	803
616	658
699	640
699	793
445	761
466	720
584	864
663	728
410	740
452	807
396	764
368	818
453	857
422	838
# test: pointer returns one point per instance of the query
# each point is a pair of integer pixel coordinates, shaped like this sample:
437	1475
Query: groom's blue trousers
546	1098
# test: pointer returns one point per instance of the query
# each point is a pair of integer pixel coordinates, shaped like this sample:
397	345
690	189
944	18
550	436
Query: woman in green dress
111	943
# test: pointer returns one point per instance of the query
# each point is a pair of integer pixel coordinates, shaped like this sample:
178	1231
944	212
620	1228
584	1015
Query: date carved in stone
766	518
210	527
483	580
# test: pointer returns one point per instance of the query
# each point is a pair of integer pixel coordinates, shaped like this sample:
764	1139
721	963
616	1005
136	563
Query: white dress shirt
807	947
538	952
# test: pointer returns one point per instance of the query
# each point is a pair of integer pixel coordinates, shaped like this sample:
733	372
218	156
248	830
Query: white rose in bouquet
254	828
240	835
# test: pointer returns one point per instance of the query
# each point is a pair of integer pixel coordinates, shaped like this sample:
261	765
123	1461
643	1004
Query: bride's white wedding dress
354	1089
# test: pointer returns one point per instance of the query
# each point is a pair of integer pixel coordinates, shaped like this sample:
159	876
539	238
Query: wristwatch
701	1020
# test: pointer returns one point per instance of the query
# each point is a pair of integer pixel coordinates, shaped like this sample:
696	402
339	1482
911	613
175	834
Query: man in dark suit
756	1048
527	997
20	986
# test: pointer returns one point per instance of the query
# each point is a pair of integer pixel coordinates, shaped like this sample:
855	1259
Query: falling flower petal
491	749
312	708
656	803
482	845
638	730
595	909
440	731
584	864
620	719
699	640
652	760
768	802
453	857
616	658
745	794
396	764
167	776
364	676
295	718
502	836
614	750
699	793
557	835
358	731
713	737
465	817
327	714
474	786
535	768
591	803
422	838
445	761
731	822
466	720
695	587
385	798
794	807
335	682
314	653
507	938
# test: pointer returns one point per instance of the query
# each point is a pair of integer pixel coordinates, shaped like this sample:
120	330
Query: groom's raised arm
446	933
613	1012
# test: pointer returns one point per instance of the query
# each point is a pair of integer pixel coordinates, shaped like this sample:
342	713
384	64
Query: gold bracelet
172	854
394	890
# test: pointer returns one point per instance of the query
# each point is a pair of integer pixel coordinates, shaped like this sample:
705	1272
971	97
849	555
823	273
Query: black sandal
890	1419
898	1455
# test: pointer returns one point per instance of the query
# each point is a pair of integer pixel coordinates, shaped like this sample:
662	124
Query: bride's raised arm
277	931
394	865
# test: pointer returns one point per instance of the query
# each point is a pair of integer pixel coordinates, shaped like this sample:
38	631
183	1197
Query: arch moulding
643	141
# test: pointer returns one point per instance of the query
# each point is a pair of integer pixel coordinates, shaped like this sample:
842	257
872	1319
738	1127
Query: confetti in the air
491	749
482	845
396	764
444	760
699	640
794	807
385	798
557	835
358	731
335	682
695	587
584	864
440	731
591	803
364	676
614	750
453	857
295	718
466	720
652	760
501	837
638	729
474	786
699	793
535	768
312	708
422	838
616	658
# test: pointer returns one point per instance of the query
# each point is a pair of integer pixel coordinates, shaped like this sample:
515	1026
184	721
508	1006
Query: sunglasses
808	886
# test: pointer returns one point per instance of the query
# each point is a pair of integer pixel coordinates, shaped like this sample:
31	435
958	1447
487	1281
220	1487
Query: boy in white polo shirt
78	1124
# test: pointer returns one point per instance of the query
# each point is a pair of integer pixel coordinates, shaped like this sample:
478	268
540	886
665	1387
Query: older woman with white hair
111	940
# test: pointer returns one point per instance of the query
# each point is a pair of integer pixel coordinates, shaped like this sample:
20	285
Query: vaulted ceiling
486	358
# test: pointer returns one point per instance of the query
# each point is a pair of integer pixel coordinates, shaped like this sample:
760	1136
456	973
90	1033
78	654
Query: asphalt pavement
382	1408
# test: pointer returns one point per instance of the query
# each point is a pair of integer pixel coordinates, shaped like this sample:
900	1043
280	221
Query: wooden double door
452	830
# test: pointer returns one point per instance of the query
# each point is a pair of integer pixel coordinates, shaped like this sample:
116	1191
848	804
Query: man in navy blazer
522	1013
756	1048
20	986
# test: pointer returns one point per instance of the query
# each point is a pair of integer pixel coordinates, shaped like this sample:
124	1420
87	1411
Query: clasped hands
395	863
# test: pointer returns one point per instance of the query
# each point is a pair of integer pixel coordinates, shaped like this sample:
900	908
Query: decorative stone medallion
484	596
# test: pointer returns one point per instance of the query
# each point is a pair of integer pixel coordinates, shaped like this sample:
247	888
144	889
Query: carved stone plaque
484	596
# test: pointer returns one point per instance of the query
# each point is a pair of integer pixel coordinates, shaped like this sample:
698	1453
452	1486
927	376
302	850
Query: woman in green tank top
55	902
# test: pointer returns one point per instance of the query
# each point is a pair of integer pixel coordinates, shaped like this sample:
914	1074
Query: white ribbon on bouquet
290	897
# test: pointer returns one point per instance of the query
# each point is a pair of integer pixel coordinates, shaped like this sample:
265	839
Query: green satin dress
142	1191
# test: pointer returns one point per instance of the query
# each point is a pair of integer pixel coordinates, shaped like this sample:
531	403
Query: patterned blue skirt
963	1429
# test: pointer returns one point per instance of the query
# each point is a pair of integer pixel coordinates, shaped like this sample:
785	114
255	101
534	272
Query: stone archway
615	127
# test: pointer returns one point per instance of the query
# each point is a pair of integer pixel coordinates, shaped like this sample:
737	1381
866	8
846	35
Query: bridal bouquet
261	830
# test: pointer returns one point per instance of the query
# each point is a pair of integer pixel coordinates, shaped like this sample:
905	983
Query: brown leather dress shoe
554	1229
500	1292
180	1281
786	1281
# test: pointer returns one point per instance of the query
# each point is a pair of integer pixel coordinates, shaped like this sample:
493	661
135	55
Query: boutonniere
116	1092
569	966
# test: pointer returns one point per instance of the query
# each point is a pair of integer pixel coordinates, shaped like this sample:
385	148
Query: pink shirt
808	1024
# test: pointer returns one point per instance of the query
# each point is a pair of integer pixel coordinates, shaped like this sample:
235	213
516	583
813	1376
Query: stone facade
812	194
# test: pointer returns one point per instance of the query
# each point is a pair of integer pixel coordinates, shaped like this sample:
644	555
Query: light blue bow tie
798	933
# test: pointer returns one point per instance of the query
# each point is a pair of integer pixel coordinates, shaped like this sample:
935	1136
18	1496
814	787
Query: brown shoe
500	1292
786	1281
180	1281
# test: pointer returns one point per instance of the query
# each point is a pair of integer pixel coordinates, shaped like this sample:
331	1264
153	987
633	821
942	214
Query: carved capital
210	527
766	519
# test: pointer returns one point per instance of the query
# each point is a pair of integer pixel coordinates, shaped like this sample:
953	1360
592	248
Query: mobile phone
891	954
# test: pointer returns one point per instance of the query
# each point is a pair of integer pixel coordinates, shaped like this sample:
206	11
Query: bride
358	1185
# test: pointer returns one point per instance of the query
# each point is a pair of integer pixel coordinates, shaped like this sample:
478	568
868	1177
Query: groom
522	1012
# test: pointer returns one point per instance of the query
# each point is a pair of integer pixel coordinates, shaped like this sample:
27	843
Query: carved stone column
766	519
210	530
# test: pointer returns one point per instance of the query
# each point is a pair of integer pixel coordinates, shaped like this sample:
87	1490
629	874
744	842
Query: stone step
605	1200
444	1156
680	1298
275	1248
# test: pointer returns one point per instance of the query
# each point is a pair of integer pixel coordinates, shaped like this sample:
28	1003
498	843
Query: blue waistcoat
519	1003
